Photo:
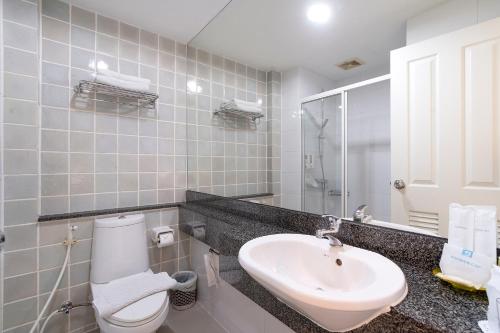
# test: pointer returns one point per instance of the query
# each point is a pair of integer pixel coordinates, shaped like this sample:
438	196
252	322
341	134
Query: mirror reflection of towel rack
334	193
239	114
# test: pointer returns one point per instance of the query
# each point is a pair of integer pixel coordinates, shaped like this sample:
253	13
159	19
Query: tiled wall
227	156
20	77
99	154
63	154
33	264
88	155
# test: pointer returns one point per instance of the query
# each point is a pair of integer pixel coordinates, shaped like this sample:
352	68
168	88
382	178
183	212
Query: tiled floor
194	320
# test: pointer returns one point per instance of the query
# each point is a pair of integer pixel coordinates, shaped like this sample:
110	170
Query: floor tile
193	320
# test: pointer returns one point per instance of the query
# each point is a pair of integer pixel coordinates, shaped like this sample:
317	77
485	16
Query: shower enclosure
346	150
322	148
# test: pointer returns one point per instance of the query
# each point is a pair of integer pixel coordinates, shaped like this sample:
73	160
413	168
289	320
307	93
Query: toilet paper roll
165	239
199	233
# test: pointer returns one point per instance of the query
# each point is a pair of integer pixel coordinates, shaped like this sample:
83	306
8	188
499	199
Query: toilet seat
140	312
137	313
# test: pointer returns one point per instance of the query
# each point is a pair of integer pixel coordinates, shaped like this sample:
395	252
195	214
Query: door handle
399	184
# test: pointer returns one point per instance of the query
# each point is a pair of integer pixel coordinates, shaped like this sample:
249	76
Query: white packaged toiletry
212	268
493	292
485	231
466	264
199	232
461	226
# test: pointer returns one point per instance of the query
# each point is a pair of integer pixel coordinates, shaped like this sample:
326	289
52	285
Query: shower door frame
343	92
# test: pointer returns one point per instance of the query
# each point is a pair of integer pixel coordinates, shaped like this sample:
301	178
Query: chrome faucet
333	229
359	215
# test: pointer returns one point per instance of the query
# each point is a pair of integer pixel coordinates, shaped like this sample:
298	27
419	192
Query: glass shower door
322	155
368	150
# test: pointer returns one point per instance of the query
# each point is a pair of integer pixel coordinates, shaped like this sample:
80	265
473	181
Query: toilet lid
141	310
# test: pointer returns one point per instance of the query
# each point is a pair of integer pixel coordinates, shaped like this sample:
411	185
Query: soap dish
455	284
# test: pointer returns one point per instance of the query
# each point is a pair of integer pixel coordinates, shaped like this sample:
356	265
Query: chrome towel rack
142	99
231	109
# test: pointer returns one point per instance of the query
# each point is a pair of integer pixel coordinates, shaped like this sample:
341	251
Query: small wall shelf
141	99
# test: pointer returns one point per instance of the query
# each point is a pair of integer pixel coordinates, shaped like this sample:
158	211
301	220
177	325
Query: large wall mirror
338	106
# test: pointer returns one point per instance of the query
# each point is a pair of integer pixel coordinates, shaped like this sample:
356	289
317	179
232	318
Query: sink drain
338	262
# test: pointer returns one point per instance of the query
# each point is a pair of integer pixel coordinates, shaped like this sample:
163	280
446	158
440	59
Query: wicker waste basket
183	295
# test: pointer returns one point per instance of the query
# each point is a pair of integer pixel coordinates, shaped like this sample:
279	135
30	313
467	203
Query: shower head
314	120
322	129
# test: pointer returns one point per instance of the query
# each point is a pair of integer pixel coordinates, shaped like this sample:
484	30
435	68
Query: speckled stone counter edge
111	211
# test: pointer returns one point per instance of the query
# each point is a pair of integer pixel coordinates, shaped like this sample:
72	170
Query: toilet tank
119	248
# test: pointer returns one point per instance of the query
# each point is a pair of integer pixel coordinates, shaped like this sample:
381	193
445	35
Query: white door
445	125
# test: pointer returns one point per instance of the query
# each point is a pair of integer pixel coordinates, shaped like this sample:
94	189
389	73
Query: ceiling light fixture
319	13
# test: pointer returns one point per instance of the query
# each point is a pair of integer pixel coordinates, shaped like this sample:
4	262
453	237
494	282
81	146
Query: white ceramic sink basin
337	288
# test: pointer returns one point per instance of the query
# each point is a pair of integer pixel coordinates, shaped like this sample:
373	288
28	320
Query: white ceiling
177	19
277	35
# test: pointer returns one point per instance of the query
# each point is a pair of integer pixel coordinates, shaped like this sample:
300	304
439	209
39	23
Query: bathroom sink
339	288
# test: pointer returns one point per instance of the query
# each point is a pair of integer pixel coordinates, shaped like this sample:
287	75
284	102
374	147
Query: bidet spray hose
69	242
48	319
66	307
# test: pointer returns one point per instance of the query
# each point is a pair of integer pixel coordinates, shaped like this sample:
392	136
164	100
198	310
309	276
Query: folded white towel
139	86
124	77
242	105
247	103
120	293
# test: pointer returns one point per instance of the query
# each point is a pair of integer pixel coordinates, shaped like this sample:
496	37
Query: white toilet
119	249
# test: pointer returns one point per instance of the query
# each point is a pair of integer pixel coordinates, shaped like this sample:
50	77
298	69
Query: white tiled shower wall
64	154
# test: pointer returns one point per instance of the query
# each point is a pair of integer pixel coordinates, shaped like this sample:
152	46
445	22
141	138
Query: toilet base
149	327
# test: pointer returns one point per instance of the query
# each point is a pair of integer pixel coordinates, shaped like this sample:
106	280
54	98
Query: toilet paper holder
158	231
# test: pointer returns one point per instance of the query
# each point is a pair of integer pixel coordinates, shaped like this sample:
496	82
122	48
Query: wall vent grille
424	220
350	64
498	232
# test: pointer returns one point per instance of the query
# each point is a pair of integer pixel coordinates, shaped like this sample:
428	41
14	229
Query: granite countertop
430	306
439	307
